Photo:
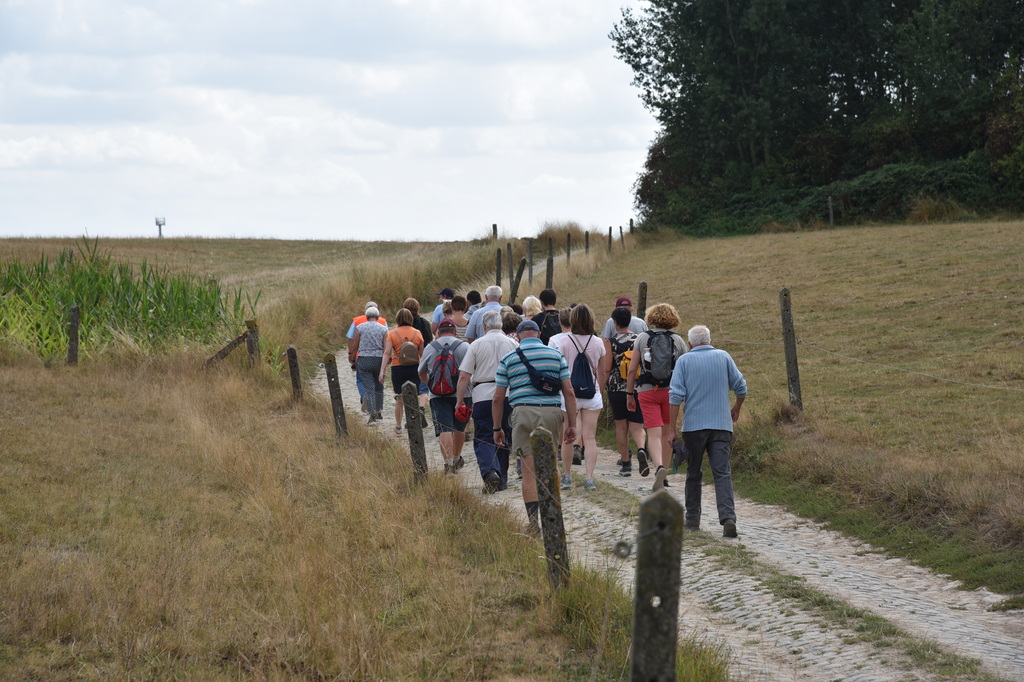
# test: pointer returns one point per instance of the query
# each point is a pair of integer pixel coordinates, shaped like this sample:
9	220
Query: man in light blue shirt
702	380
476	327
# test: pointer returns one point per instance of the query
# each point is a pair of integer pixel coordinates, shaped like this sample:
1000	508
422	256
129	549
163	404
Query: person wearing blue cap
443	297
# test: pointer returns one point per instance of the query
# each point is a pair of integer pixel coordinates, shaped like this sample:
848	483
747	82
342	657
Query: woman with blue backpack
655	352
589	365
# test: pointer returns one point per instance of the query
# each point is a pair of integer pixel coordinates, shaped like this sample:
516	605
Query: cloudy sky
314	119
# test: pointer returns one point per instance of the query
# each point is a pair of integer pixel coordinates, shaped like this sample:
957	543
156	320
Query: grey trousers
367	371
718	445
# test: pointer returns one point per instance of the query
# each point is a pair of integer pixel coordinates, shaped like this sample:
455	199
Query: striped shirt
702	379
513	375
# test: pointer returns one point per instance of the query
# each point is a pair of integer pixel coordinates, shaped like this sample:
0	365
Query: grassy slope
931	469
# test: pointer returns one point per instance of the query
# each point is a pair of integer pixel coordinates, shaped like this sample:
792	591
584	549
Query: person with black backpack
439	370
655	352
589	364
547	319
627	422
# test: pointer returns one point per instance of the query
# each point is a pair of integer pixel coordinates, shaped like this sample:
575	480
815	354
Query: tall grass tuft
148	308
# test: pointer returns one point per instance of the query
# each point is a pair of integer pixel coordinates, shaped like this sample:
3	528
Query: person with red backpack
439	370
403	348
654	354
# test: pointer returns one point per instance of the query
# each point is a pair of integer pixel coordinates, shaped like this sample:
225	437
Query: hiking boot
729	529
491	482
641	461
625	468
590	485
692	525
659	479
459	463
566	481
577	455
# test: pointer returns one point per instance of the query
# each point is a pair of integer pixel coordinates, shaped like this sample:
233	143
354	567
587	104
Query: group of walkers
511	369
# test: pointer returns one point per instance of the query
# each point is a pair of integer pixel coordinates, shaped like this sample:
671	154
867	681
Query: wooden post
631	228
549	276
231	345
516	281
497	268
789	342
252	341
622	238
586	243
511	265
529	250
641	300
293	370
494	231
549	496
334	388
656	601
609	239
74	319
831	222
568	247
417	447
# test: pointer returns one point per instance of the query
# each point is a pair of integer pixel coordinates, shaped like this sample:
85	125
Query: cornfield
149	308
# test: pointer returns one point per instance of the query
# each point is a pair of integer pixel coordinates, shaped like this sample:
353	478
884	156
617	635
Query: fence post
530	252
622	238
789	342
494	231
497	268
74	319
586	243
252	341
830	215
549	276
641	300
511	265
656	602
516	281
568	247
293	370
631	229
334	388
609	239
413	426
549	496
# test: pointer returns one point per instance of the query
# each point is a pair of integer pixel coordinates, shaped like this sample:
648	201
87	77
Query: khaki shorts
526	418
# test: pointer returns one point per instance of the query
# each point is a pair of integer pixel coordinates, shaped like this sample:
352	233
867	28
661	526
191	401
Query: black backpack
662	348
582	376
545	383
548	325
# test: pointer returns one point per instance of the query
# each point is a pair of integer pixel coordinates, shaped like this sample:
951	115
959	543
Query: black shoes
625	468
577	455
492	482
729	529
659	479
641	461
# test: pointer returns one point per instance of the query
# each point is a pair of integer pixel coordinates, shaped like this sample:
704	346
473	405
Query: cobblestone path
767	636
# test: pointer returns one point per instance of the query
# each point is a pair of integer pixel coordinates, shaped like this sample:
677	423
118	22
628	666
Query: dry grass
162	522
942	300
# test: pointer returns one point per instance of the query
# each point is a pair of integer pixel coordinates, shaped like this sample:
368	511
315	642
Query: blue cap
527	325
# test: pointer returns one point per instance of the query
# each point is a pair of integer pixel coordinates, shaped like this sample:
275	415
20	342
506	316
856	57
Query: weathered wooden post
497	268
511	265
549	276
334	389
631	228
293	370
622	238
549	496
516	281
529	250
831	222
659	544
494	231
568	247
789	342
252	341
413	426
609	239
586	243
74	320
641	300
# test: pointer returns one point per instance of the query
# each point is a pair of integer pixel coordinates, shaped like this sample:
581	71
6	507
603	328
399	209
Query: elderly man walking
492	294
476	375
701	381
531	405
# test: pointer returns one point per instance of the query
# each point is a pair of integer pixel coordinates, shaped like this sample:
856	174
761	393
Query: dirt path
768	636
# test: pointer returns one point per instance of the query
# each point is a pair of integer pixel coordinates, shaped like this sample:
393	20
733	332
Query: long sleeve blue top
702	380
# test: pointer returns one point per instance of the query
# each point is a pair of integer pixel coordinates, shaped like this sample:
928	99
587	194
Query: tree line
769	107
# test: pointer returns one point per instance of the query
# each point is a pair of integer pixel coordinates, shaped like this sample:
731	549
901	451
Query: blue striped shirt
702	379
513	375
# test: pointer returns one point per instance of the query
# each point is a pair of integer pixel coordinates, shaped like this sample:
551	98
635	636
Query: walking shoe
729	529
566	482
491	482
659	479
447	468
641	461
577	455
519	467
590	485
692	525
625	468
459	463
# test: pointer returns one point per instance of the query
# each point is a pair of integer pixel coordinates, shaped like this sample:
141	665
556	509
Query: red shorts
654	405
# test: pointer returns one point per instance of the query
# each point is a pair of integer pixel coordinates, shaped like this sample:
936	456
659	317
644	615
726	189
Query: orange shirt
399	336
